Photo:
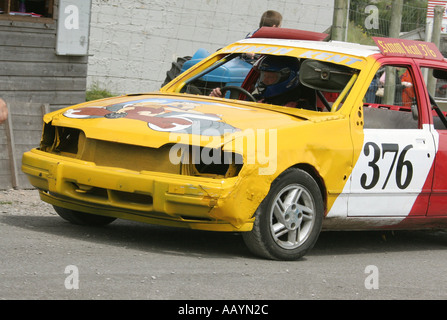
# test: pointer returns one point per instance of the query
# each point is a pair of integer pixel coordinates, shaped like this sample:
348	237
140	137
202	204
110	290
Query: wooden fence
20	133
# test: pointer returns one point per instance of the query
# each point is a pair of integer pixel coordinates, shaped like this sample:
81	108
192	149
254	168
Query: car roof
386	47
349	48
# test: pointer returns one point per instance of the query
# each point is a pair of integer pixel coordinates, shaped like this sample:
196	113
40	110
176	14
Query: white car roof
333	46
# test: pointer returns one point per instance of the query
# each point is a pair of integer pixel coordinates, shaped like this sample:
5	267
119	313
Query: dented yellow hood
153	120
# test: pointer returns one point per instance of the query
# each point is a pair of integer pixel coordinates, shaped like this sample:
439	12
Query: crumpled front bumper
151	197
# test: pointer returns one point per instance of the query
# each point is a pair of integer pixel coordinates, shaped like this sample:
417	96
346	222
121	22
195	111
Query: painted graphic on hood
168	115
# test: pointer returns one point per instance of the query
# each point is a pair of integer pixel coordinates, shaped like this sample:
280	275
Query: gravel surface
130	260
23	202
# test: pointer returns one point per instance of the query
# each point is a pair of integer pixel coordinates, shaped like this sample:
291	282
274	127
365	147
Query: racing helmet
278	75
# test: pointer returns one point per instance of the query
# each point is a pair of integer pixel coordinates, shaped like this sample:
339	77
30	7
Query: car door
438	91
393	176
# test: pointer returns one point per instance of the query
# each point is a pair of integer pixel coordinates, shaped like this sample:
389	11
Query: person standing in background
3	111
271	18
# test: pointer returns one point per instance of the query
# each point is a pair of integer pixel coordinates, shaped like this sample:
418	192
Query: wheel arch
263	240
311	170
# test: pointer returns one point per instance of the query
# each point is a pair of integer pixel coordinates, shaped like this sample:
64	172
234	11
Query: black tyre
82	218
288	221
176	69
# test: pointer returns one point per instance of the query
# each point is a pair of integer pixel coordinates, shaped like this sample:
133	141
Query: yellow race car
308	141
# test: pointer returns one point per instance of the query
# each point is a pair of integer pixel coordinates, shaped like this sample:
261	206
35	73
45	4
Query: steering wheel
241	90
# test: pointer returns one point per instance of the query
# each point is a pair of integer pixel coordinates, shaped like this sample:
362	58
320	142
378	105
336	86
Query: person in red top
407	90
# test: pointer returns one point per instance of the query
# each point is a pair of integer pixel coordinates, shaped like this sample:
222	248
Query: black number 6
401	163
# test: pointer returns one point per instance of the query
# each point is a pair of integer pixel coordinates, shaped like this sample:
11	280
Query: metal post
435	38
338	23
390	77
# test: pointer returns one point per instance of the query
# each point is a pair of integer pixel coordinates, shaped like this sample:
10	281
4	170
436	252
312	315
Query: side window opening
390	101
436	82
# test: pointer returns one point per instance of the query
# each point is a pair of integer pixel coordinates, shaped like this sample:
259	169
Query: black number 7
389	147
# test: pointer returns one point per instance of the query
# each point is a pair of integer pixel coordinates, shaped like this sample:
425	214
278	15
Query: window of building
26	10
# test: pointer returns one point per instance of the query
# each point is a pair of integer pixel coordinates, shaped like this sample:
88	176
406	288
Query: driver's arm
216	93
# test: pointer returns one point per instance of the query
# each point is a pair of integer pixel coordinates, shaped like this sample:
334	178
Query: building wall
33	80
30	70
133	42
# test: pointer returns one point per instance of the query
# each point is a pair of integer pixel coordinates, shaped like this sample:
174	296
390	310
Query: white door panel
390	172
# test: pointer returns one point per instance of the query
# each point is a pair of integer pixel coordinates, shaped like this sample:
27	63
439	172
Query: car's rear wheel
82	218
288	221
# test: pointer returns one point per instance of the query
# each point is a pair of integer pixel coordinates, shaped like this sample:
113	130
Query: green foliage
413	15
356	34
95	93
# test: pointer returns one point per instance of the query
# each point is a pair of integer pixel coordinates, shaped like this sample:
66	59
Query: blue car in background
232	73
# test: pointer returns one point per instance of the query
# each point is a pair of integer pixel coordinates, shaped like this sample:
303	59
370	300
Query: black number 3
372	164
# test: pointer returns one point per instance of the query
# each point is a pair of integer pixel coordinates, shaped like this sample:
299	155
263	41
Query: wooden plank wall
20	133
30	70
32	75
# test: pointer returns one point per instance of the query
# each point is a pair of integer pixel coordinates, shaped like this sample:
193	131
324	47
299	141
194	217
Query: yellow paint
270	140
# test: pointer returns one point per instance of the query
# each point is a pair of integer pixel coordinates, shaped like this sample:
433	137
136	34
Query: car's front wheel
83	218
288	221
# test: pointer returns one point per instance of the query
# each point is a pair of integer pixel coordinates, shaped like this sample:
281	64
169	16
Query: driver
278	83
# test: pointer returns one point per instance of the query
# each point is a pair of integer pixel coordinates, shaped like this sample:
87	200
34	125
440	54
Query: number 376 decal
404	168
